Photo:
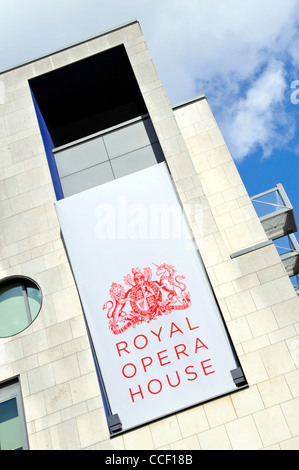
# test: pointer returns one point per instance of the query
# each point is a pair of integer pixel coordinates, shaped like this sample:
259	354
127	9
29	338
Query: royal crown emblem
145	299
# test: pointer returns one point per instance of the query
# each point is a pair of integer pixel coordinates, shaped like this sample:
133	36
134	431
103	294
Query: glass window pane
35	300
13	315
20	303
10	429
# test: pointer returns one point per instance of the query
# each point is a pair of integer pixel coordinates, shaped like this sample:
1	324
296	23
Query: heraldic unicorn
145	299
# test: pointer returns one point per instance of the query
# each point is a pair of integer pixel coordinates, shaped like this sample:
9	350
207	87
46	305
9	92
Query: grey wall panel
129	138
80	157
108	156
134	161
86	179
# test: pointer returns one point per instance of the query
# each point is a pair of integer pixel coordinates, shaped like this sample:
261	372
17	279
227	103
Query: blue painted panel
48	144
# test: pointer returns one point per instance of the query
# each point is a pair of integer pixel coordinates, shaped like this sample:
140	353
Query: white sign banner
156	328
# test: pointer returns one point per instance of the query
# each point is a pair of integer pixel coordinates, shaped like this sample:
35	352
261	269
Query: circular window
20	303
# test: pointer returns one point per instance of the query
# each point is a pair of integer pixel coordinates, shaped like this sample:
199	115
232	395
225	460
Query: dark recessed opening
88	96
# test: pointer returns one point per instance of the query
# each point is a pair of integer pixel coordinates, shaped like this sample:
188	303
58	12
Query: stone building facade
52	361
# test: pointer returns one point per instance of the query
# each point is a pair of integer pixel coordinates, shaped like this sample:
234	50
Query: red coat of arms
145	299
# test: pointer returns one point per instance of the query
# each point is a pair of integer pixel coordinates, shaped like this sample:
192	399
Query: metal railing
288	249
287	244
270	201
275	212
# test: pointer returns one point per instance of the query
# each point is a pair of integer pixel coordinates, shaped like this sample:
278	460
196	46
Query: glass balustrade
275	212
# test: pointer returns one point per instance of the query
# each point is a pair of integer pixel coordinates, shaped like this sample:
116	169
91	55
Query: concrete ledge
69	46
190	101
250	249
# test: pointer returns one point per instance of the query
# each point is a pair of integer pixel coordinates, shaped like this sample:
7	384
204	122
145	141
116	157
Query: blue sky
244	56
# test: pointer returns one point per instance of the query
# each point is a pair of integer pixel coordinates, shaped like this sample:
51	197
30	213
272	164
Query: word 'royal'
141	341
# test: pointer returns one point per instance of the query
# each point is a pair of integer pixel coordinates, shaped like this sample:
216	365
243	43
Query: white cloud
228	39
226	49
258	120
241	55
